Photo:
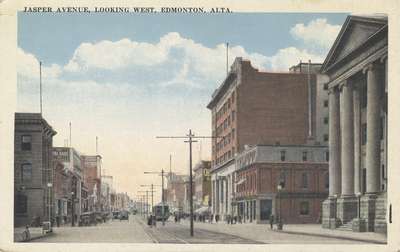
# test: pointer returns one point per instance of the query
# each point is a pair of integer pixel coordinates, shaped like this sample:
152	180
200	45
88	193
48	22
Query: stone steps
346	227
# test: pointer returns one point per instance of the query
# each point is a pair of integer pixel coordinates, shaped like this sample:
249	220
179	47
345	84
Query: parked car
116	215
124	215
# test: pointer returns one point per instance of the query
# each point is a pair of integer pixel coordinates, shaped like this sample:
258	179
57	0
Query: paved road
113	231
135	230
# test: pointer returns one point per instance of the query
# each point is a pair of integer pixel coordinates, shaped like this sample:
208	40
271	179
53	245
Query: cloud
287	57
317	32
171	50
28	66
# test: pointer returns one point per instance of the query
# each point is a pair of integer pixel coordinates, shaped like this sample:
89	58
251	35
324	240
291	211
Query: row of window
225	140
226	106
226	123
226	156
305	156
304	180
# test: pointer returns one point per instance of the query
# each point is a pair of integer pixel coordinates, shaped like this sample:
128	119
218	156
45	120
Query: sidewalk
34	233
302	232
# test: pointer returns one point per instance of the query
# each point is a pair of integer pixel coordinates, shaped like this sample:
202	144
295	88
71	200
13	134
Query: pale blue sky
127	78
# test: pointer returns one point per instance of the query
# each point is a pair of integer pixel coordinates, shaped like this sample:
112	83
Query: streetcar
158	212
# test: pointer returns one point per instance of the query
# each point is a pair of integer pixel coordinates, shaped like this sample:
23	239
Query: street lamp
73	209
280	187
49	185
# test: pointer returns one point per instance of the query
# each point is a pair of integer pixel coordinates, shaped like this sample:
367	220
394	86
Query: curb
332	236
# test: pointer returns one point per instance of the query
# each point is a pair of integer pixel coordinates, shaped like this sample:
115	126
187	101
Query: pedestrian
271	221
176	218
211	218
216	218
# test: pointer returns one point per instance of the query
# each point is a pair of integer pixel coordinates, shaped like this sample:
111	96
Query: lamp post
49	185
280	186
73	209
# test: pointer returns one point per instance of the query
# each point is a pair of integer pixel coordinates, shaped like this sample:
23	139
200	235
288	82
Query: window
233	115
326	86
304	180
26	172
21	204
326	180
233	151
383	171
327	156
233	97
282	179
229	103
304	208
283	155
326	120
26	143
304	155
233	134
363	134
326	137
325	103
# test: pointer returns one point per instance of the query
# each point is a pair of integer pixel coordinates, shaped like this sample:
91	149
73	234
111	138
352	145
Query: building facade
302	172
91	166
251	108
175	191
357	69
202	184
72	162
33	169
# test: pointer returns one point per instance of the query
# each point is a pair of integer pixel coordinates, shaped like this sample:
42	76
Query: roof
377	22
34	118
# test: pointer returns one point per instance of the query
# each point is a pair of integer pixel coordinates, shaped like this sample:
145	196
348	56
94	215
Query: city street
136	231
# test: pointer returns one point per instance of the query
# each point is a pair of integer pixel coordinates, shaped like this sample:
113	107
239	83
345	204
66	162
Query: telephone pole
190	140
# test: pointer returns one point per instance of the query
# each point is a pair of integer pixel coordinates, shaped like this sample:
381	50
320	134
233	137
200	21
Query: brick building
33	169
301	170
358	91
261	108
202	184
72	162
62	193
91	166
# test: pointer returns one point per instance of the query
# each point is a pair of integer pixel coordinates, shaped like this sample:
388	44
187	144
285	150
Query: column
373	129
357	139
334	143
347	140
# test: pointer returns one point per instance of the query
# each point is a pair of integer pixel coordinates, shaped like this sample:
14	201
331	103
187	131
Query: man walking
271	221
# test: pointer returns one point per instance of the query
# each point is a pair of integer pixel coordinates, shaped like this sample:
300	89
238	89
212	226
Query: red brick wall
272	107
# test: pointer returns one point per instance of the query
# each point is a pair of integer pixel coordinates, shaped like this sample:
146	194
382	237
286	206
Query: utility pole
190	140
70	135
162	193
40	86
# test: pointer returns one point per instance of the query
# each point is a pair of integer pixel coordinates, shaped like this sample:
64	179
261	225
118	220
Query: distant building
106	192
33	169
91	166
72	162
202	184
302	172
175	191
62	193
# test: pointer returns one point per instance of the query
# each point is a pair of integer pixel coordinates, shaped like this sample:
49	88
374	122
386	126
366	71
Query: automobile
124	215
115	215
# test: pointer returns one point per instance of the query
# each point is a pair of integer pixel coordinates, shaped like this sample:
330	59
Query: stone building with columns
357	70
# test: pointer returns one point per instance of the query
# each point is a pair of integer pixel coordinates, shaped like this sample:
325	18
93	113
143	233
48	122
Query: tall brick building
33	168
260	108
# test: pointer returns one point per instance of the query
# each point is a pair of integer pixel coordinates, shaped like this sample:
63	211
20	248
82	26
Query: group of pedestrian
277	221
